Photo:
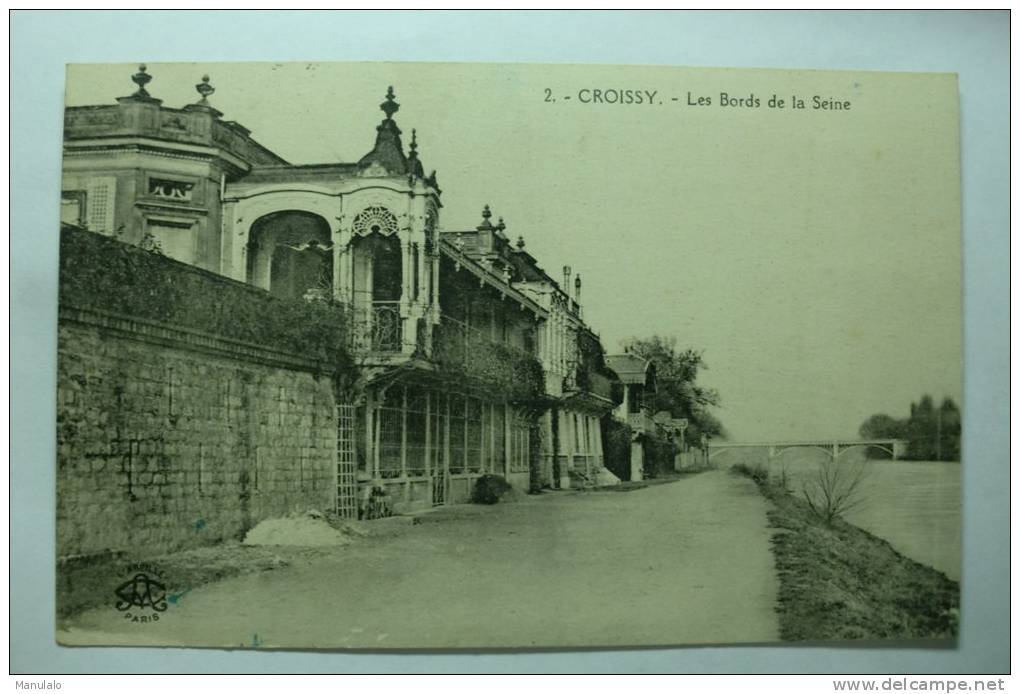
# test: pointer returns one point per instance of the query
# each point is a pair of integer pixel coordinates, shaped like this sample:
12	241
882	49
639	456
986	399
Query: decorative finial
141	78
520	242
390	106
486	224
205	89
501	226
577	282
414	142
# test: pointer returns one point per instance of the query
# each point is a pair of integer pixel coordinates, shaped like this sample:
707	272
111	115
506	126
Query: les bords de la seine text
653	97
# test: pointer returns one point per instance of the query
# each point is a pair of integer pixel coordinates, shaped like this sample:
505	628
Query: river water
913	505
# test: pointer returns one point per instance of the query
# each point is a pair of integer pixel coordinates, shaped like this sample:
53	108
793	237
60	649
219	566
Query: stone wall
170	438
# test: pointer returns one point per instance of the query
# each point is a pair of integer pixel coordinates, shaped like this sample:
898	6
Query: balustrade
379	327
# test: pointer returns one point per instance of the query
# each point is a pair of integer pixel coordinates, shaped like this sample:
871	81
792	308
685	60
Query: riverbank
840	582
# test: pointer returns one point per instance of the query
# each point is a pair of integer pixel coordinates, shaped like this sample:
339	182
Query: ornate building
472	359
637	376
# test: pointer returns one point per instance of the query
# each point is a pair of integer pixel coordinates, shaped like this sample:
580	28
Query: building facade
472	360
637	377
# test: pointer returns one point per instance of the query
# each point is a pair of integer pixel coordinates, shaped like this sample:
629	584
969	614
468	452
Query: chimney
566	280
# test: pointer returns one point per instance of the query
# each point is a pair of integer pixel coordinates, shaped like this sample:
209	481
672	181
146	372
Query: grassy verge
840	582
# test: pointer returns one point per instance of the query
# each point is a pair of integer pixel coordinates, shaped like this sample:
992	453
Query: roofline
476	269
517	251
115	143
229	124
333	165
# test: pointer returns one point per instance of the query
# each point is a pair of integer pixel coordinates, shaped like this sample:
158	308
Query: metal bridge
833	447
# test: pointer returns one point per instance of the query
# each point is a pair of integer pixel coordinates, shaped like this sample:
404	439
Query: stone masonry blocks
162	448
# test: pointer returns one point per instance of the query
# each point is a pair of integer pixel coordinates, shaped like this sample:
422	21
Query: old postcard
433	356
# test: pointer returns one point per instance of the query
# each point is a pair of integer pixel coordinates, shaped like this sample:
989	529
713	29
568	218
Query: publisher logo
143	595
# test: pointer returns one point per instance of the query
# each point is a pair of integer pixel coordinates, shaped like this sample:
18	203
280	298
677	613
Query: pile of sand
298	531
606	478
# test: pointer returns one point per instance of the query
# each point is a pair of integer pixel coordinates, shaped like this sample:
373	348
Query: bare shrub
838	487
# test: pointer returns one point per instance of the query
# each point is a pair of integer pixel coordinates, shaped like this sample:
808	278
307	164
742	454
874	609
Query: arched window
377	280
290	253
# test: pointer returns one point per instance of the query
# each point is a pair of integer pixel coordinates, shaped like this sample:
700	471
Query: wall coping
166	335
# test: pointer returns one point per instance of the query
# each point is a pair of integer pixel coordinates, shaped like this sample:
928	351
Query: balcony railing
641	421
379	327
588	380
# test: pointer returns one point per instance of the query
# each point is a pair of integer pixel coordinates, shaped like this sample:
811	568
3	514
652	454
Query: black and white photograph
625	356
463	342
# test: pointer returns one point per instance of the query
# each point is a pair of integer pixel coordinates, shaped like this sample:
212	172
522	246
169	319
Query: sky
812	255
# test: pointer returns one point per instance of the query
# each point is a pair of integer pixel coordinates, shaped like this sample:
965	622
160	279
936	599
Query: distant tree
922	409
948	425
920	430
882	426
677	387
932	433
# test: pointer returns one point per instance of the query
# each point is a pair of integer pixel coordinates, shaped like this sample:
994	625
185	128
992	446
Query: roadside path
679	563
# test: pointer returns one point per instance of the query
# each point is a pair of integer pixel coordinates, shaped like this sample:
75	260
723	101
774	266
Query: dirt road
678	563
